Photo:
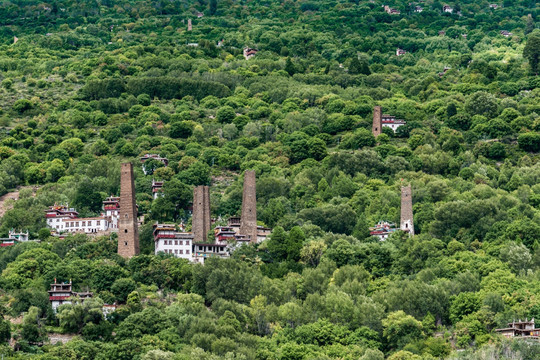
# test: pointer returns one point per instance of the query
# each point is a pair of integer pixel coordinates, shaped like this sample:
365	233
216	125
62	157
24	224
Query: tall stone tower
377	121
128	232
248	221
200	223
189	26
406	223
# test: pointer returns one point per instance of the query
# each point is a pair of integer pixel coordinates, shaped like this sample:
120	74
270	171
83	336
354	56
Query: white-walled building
156	157
448	9
111	208
234	224
157	189
56	214
86	225
62	219
15	237
201	252
391	122
249	53
170	241
180	244
382	230
61	293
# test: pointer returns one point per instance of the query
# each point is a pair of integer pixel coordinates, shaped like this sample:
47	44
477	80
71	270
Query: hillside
288	89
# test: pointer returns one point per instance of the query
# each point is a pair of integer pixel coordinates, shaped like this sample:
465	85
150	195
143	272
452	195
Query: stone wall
406	223
248	222
128	232
377	121
200	222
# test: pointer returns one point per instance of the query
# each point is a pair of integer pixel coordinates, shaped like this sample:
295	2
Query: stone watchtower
200	222
377	121
128	232
406	223
248	221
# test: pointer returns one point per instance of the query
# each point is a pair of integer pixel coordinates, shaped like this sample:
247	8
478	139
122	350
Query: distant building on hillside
382	230
506	33
446	68
391	122
14	237
418	9
493	6
400	52
234	224
201	252
391	11
447	9
156	157
442	33
249	53
62	219
520	329
381	120
170	241
61	293
111	207
157	189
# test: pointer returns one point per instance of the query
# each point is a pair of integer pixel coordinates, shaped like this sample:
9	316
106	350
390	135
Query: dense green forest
88	84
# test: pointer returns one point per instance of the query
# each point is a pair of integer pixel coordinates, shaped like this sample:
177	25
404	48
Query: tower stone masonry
128	232
248	221
377	121
200	222
406	223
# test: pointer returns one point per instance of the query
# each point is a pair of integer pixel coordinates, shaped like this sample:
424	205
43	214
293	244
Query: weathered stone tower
189	26
377	121
406	223
248	221
128	232
200	222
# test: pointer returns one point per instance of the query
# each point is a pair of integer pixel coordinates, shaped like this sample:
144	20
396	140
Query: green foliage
90	85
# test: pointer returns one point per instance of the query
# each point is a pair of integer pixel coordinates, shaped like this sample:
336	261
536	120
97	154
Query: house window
84	223
98	222
175	242
187	251
181	251
181	242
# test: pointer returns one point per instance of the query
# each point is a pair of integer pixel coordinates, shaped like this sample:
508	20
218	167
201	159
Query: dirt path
6	205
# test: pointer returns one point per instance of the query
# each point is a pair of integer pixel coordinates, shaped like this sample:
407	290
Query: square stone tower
200	222
128	231
248	221
406	223
377	121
